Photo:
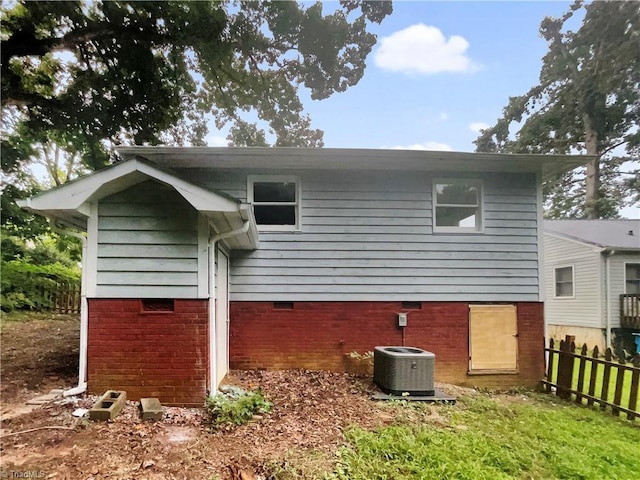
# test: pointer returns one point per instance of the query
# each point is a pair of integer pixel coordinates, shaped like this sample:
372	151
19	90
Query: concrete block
108	406
151	409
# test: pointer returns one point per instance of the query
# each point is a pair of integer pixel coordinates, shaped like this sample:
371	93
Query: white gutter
607	269
84	317
213	380
232	233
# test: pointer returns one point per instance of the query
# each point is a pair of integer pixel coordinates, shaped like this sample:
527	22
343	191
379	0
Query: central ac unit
404	370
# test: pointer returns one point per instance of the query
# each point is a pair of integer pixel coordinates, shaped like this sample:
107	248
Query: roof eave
620	249
550	166
71	205
76	217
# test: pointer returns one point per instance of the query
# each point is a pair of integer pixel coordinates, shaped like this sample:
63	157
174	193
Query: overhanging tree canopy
588	100
88	74
131	71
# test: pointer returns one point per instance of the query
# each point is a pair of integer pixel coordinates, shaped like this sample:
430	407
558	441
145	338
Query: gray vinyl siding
617	278
147	244
584	309
369	236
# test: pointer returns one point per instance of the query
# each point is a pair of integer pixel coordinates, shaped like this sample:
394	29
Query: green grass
626	386
483	438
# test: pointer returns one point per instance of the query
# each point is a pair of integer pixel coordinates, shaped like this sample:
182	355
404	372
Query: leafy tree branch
87	75
588	100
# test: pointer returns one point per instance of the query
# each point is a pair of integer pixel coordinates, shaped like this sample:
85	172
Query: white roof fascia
74	195
344	159
620	249
200	198
246	212
595	248
63	202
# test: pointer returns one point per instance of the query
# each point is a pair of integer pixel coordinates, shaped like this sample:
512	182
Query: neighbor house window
564	282
457	206
276	201
632	278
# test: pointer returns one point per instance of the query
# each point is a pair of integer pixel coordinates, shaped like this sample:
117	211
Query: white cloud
214	140
477	126
441	147
444	116
423	49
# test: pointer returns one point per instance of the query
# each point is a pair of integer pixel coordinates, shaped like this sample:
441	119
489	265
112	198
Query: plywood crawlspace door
493	338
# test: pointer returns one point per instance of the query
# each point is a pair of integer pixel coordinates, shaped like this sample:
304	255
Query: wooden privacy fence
593	379
64	298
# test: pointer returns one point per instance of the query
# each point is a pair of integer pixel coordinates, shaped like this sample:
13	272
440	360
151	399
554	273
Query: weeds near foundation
235	406
359	363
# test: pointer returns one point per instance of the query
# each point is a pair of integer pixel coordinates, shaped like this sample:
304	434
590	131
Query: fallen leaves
311	410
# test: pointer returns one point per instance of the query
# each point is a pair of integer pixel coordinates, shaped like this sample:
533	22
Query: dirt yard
37	355
311	409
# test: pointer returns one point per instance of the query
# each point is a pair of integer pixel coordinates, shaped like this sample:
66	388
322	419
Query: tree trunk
592	198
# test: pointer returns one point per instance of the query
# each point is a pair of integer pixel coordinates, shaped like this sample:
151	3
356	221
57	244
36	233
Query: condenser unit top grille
398	351
403	370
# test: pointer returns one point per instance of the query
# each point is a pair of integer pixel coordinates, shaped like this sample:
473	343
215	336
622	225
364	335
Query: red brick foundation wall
317	335
149	354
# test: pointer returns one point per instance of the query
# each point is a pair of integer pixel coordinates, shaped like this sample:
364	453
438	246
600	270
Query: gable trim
595	248
73	203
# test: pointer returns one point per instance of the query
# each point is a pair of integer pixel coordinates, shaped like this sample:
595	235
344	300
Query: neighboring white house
592	280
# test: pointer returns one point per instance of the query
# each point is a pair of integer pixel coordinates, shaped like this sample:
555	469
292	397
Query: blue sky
439	71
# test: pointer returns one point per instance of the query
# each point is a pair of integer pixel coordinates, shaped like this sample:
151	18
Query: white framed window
632	278
457	205
275	200
563	279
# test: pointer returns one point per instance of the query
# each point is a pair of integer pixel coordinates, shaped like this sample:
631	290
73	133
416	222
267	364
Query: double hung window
457	205
563	278
632	278
276	201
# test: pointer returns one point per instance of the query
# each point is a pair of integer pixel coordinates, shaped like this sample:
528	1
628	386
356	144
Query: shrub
32	270
235	406
26	286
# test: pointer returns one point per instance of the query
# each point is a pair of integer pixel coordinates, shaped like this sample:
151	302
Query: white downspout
213	380
607	301
84	317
